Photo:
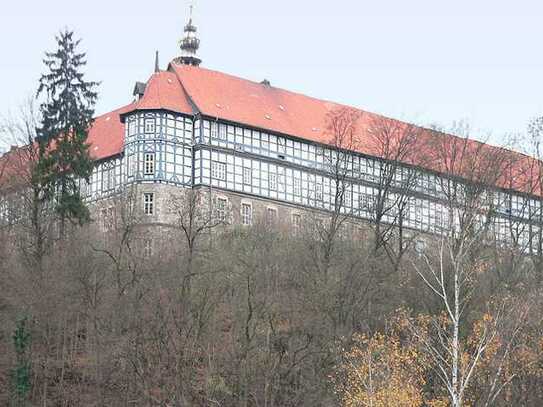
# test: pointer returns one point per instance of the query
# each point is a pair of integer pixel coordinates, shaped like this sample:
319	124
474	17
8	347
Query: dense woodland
257	317
337	312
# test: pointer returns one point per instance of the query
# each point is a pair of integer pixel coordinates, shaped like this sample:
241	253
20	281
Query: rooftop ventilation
268	117
281	107
139	90
265	82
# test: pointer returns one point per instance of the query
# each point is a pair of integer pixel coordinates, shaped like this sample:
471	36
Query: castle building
262	151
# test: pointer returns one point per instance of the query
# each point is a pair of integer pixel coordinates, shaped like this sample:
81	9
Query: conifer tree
67	113
20	375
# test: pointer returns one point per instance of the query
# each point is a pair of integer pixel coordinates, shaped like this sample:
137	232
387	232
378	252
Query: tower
189	45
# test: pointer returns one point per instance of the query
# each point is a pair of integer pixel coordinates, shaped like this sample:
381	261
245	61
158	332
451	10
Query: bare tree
120	224
530	176
399	146
194	216
474	171
343	131
23	188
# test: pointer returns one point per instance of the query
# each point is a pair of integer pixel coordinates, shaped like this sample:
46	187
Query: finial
189	44
157	65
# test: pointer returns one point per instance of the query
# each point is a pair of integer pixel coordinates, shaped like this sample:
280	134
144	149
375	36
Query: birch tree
451	267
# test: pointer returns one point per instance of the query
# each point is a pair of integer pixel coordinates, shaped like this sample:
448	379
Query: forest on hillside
263	317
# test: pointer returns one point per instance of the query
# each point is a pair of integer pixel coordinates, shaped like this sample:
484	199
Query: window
272	179
296	221
147	248
318	192
132	128
297	186
149	164
247	176
214	131
220	209
367	202
108	219
222	131
420	246
149	203
108	179
319	224
83	189
246	214
347	198
418	214
149	126
271	216
218	170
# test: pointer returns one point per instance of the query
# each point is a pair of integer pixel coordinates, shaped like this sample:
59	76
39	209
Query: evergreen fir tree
67	113
20	375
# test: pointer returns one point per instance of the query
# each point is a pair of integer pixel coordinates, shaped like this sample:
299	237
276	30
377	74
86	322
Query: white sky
425	61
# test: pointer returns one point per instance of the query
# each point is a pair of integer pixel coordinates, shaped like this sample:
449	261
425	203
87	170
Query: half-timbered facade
263	152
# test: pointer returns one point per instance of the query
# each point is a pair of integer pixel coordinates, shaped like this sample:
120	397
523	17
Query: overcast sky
425	61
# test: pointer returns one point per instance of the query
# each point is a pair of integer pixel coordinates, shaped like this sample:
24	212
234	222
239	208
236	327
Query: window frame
297	186
149	125
148	203
247	176
149	163
148	248
222	133
272	181
109	221
221	213
218	168
108	178
246	218
296	221
271	220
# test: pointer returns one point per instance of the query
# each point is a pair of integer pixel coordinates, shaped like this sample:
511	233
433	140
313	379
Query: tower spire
189	44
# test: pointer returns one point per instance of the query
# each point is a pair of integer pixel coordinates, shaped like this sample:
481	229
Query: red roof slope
263	106
106	139
164	91
239	100
106	136
190	90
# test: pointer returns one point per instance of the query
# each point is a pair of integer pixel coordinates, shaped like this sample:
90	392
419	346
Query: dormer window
149	126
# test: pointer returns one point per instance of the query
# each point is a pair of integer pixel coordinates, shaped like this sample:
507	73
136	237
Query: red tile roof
164	91
106	136
190	90
260	105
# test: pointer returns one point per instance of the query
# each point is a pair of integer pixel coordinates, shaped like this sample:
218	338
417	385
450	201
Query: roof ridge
342	105
271	86
108	113
196	109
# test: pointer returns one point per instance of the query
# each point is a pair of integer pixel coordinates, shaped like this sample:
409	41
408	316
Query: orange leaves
381	371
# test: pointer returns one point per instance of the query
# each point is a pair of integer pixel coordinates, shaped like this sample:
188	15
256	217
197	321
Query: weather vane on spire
189	44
